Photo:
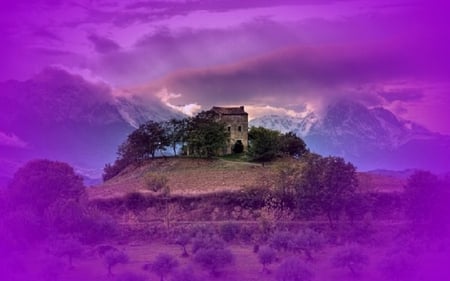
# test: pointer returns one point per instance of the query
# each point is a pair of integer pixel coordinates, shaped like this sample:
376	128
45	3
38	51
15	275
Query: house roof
229	110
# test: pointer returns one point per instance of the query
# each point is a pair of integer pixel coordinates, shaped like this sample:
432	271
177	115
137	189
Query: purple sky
281	57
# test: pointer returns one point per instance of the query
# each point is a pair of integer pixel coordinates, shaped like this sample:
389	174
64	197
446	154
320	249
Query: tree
325	184
282	241
143	142
292	269
266	256
175	130
264	144
39	183
207	136
428	203
183	239
214	259
113	258
308	241
163	265
351	257
68	247
292	145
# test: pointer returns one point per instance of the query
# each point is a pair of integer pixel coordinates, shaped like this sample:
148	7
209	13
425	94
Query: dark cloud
404	95
291	75
103	45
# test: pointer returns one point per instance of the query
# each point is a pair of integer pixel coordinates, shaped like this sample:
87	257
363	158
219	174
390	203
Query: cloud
11	140
404	95
103	45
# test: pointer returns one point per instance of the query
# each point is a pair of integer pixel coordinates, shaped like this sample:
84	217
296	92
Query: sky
275	57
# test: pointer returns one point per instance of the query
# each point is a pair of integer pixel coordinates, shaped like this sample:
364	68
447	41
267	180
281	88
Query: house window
229	128
239	129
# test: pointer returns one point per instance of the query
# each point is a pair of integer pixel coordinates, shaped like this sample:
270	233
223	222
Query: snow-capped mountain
370	138
61	116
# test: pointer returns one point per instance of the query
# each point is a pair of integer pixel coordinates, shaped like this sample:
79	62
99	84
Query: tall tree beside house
206	135
264	144
176	132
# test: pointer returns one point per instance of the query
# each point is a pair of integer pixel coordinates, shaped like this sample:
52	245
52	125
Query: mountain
371	138
61	116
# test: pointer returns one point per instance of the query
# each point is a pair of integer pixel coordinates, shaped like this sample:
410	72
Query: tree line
203	135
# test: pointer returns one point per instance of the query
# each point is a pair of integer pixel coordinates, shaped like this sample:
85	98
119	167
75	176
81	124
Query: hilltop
189	176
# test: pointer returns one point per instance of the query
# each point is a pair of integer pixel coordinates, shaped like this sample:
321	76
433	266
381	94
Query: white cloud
189	109
12	140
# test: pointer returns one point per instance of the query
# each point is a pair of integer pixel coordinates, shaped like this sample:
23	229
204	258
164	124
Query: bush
351	257
185	274
308	241
135	201
266	256
131	276
282	241
113	258
229	231
292	269
214	259
183	239
67	247
65	216
163	265
98	227
39	183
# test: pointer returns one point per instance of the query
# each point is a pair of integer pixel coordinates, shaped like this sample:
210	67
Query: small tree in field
292	269
214	259
183	239
282	241
163	265
113	258
352	258
266	256
308	241
68	247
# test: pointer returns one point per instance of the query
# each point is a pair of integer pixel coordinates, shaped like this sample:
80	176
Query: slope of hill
187	176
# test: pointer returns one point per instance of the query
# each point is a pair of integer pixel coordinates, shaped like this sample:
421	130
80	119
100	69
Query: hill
188	176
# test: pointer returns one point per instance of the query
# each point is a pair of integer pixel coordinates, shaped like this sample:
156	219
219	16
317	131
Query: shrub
183	239
135	201
65	216
292	269
113	258
185	274
98	227
229	231
131	276
307	242
39	183
67	247
214	259
206	242
266	256
351	257
163	265
282	241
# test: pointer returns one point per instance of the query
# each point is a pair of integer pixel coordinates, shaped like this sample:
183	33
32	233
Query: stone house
236	120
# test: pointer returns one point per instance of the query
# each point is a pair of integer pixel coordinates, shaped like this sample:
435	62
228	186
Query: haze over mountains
61	116
370	138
